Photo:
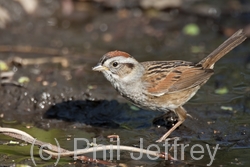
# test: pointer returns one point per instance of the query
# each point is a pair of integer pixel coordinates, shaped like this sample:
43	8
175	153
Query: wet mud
53	92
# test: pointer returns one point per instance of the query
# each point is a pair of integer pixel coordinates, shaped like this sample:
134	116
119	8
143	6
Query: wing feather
173	76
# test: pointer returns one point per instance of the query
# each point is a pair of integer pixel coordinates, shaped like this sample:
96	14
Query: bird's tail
233	41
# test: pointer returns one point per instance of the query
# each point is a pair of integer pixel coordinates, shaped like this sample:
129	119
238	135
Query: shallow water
71	101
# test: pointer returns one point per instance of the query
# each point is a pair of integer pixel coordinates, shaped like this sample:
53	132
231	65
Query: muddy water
64	99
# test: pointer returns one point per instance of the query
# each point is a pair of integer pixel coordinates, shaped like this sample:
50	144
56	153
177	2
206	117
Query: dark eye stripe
129	65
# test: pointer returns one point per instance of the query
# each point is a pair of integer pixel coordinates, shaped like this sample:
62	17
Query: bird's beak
99	67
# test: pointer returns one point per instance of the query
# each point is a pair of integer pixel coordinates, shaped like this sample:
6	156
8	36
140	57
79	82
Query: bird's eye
115	64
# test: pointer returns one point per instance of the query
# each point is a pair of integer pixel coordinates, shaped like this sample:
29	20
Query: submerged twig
107	147
21	135
18	134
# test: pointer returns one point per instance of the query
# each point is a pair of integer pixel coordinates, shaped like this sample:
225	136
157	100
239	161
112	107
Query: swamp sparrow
162	85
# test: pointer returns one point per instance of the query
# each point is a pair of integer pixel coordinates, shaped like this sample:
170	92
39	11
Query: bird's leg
182	114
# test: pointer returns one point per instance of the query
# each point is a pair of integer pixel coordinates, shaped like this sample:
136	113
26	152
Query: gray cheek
123	72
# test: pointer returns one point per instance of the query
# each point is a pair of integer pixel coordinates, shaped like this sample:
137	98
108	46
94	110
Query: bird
162	85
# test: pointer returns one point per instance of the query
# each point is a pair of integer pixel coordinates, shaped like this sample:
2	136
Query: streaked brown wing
190	78
173	77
